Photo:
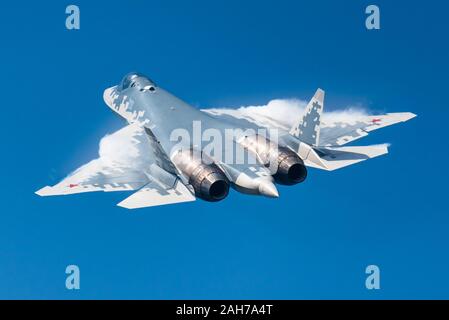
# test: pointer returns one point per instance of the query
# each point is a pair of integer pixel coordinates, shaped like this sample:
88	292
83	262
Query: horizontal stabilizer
153	194
333	158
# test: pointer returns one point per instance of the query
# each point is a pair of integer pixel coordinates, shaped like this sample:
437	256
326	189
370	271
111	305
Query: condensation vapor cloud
284	113
123	149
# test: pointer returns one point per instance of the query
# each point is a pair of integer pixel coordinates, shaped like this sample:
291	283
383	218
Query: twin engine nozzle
210	183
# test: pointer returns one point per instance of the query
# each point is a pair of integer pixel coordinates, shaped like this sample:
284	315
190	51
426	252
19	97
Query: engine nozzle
209	182
286	166
291	169
206	178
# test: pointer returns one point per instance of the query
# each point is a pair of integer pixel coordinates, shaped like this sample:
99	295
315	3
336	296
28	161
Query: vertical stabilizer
307	129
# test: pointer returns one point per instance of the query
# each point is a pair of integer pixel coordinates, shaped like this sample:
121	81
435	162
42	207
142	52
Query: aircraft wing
341	133
96	176
129	159
330	133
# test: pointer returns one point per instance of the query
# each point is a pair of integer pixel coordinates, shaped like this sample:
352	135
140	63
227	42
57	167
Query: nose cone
268	189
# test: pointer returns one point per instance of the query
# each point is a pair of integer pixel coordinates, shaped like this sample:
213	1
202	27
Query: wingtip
408	115
319	94
403	116
412	115
42	192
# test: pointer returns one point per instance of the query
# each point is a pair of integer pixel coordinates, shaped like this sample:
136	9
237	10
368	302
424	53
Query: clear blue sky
313	242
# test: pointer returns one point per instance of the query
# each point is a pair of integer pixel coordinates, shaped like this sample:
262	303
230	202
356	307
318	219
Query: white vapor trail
285	113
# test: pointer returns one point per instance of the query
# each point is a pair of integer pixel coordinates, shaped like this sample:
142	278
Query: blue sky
315	240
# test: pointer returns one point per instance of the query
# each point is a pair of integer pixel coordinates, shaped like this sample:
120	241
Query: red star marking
376	120
72	185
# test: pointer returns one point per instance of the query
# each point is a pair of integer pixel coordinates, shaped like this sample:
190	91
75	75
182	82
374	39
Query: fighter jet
161	155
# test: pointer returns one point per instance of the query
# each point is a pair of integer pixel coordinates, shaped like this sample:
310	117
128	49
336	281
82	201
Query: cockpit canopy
138	80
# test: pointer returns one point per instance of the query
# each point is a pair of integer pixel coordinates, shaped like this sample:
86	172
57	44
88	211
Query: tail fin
308	128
